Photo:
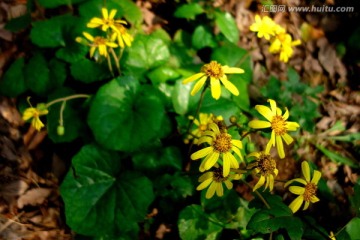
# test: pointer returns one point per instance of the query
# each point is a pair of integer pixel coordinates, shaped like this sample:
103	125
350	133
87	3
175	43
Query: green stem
66	99
62	108
258	194
110	66
247	133
116	60
197	109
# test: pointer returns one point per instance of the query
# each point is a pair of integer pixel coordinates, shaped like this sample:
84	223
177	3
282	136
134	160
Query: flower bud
233	119
60	130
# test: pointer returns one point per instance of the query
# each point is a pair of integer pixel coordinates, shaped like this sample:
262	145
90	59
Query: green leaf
57	73
189	10
279	216
146	52
155	162
73	123
181	97
126	116
94	71
19	23
351	230
38	75
99	200
163	74
203	37
355	198
57	3
227	26
48	33
175	187
337	157
194	224
131	11
12	83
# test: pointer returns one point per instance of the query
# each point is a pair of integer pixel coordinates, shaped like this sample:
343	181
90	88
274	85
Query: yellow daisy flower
97	43
221	145
202	125
35	114
123	37
283	44
277	123
265	167
214	180
265	27
307	193
106	22
216	74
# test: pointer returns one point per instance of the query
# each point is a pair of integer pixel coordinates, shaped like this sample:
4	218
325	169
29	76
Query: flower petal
230	70
300	180
226	167
296	204
259	183
214	127
305	170
286	114
112	13
316	177
88	36
209	162
201	153
105	13
314	199
271	182
306	205
204	184
253	154
233	162
219	189
265	111
198	85
292	126
211	190
228	184
204	139
205	176
297	190
215	88
193	78
229	86
287	138
259	124
280	146
272	106
237	143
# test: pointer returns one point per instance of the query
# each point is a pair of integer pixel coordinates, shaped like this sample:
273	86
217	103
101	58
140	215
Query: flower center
278	125
99	41
36	114
282	37
109	22
266	164
310	190
213	69
121	29
218	175
222	143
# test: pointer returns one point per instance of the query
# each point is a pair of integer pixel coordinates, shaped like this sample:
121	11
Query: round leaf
125	116
227	26
12	83
114	201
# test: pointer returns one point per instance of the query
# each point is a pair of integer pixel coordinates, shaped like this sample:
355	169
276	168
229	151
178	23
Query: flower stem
197	109
258	194
66	99
62	108
116	60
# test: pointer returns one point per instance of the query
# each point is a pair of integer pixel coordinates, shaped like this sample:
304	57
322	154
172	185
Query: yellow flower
106	22
216	73
283	44
35	114
265	27
97	42
307	193
278	124
123	37
221	145
214	180
202	125
332	236
265	166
